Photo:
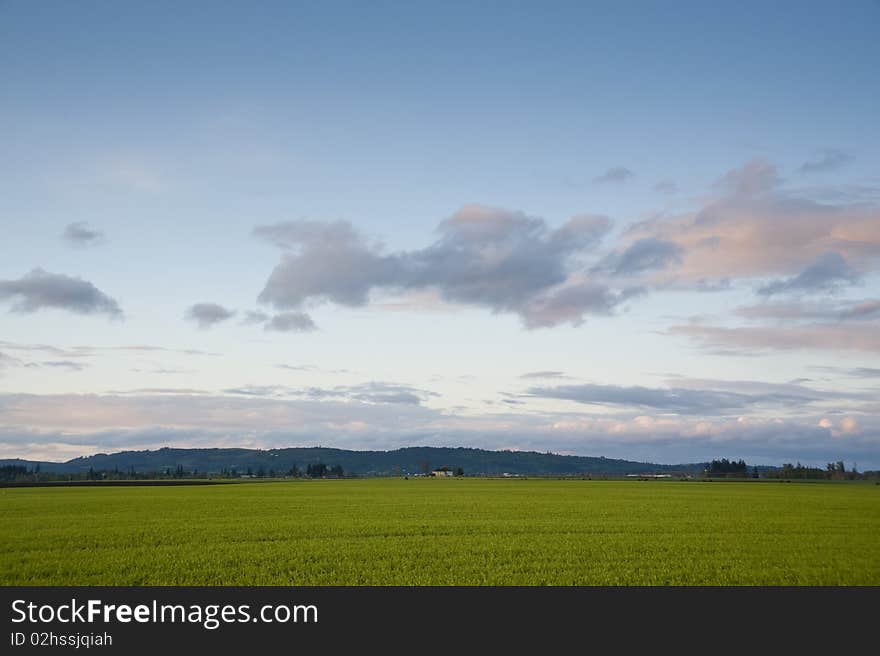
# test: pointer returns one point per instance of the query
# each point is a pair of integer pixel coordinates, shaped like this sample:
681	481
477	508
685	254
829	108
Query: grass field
444	532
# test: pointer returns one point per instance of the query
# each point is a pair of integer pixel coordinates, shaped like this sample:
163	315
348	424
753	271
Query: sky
633	230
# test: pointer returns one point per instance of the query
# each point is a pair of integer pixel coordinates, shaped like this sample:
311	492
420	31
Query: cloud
615	174
814	336
869	309
827	273
372	392
680	400
287	322
185	391
257	390
842	428
312	368
147	347
844	193
859	310
666	187
828	159
163	371
849	425
90	351
40	290
865	372
377	392
369	392
333	262
195	409
791	393
755	177
79	234
8	361
207	315
505	261
544	374
291	322
710	286
752	229
855	372
59	364
569	304
642	255
254	316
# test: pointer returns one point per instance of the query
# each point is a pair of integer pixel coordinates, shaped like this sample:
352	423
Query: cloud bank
64	426
700	397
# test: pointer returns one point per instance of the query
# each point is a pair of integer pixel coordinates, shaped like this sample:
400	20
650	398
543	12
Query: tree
459	471
318	470
725	467
336	470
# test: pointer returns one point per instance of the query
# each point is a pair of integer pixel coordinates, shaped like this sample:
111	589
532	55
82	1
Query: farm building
442	471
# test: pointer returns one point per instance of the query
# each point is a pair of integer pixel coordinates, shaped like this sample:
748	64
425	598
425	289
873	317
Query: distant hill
409	460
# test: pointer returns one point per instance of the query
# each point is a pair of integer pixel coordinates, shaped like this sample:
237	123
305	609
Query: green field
443	532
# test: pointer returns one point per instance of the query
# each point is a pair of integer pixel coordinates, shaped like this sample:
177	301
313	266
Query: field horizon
424	531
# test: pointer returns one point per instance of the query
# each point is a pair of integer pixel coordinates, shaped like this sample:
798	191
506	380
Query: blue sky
632	230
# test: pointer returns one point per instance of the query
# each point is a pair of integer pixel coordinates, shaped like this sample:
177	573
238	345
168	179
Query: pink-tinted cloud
753	229
797	311
816	336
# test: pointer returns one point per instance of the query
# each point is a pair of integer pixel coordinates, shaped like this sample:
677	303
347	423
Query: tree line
721	468
725	467
833	471
23	474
